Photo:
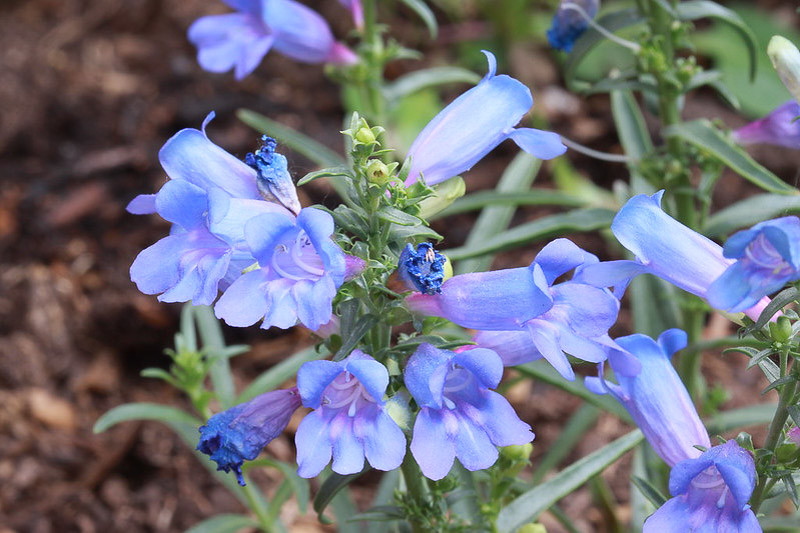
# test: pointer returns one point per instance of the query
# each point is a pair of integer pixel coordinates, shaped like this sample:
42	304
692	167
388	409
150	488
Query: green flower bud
517	452
446	193
377	172
785	58
532	528
365	135
785	453
448	273
781	329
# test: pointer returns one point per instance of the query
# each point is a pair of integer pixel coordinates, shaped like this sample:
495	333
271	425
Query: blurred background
90	90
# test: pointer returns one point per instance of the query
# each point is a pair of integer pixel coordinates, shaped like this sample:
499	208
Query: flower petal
538	143
245	302
313	443
431	443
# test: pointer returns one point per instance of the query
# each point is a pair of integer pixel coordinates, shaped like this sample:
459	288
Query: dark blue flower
422	269
239	433
569	23
459	416
273	178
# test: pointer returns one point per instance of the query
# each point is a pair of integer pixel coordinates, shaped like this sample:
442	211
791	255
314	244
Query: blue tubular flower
569	23
239	433
357	9
273	179
459	416
300	269
767	257
241	40
656	397
473	125
663	247
779	128
422	269
349	421
710	494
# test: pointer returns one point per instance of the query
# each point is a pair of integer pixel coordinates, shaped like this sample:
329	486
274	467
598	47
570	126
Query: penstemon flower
349	421
240	40
473	125
357	9
459	416
422	269
569	23
780	128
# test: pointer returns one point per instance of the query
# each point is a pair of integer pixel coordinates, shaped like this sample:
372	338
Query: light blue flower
767	257
663	247
299	271
569	23
238	434
349	421
710	494
459	416
240	40
780	128
473	125
422	269
656	397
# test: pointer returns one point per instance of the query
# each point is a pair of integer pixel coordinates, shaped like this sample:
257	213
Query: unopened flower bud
532	528
517	452
377	172
365	135
445	194
785	58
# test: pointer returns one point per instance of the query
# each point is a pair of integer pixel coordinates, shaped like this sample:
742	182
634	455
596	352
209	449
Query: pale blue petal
300	32
348	453
245	302
538	143
485	365
182	203
425	373
474	450
157	267
372	375
513	347
384	442
672	517
264	232
560	256
431	444
312	379
501	422
545	337
673	340
144	204
282	310
313	444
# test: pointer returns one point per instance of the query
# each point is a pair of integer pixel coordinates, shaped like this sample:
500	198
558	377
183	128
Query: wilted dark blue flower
299	271
272	175
570	22
239	433
767	257
656	397
473	125
422	269
663	247
349	421
241	40
710	494
780	127
459	416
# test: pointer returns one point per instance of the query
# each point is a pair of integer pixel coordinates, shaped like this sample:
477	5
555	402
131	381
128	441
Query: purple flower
767	257
473	125
240	40
663	247
239	433
794	435
656	397
357	9
459	416
710	494
779	128
422	269
349	421
570	22
300	269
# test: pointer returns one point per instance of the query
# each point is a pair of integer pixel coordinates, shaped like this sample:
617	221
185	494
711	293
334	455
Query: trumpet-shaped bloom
710	494
272	175
779	128
767	257
663	247
473	125
570	22
349	421
357	9
300	269
422	269
459	416
239	433
656	397
240	40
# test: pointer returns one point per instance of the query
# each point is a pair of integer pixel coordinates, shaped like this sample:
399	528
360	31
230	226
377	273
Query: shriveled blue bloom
272	175
299	271
349	421
569	23
459	416
357	9
663	247
767	257
525	315
656	397
473	125
240	433
780	128
422	269
710	494
240	40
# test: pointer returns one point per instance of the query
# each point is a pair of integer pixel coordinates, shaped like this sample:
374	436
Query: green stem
416	487
374	62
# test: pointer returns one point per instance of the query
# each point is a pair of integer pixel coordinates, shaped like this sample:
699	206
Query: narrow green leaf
633	135
424	12
576	427
698	9
757	358
532	503
331	487
384	496
770	370
579	220
223	523
783	298
350	339
708	138
214	345
713	78
482	199
300	143
429	77
144	411
280	373
751	211
159	373
780	382
649	491
395	216
404	233
752	415
325	173
607	85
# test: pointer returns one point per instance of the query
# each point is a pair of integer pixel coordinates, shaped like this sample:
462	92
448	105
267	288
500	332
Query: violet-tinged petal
357	9
245	302
546	339
282	309
474	448
183	204
144	204
425	373
348	452
236	41
312	379
779	127
538	143
263	234
431	444
513	347
313	443
560	256
158	267
299	31
384	442
485	365
371	374
794	435
501	422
